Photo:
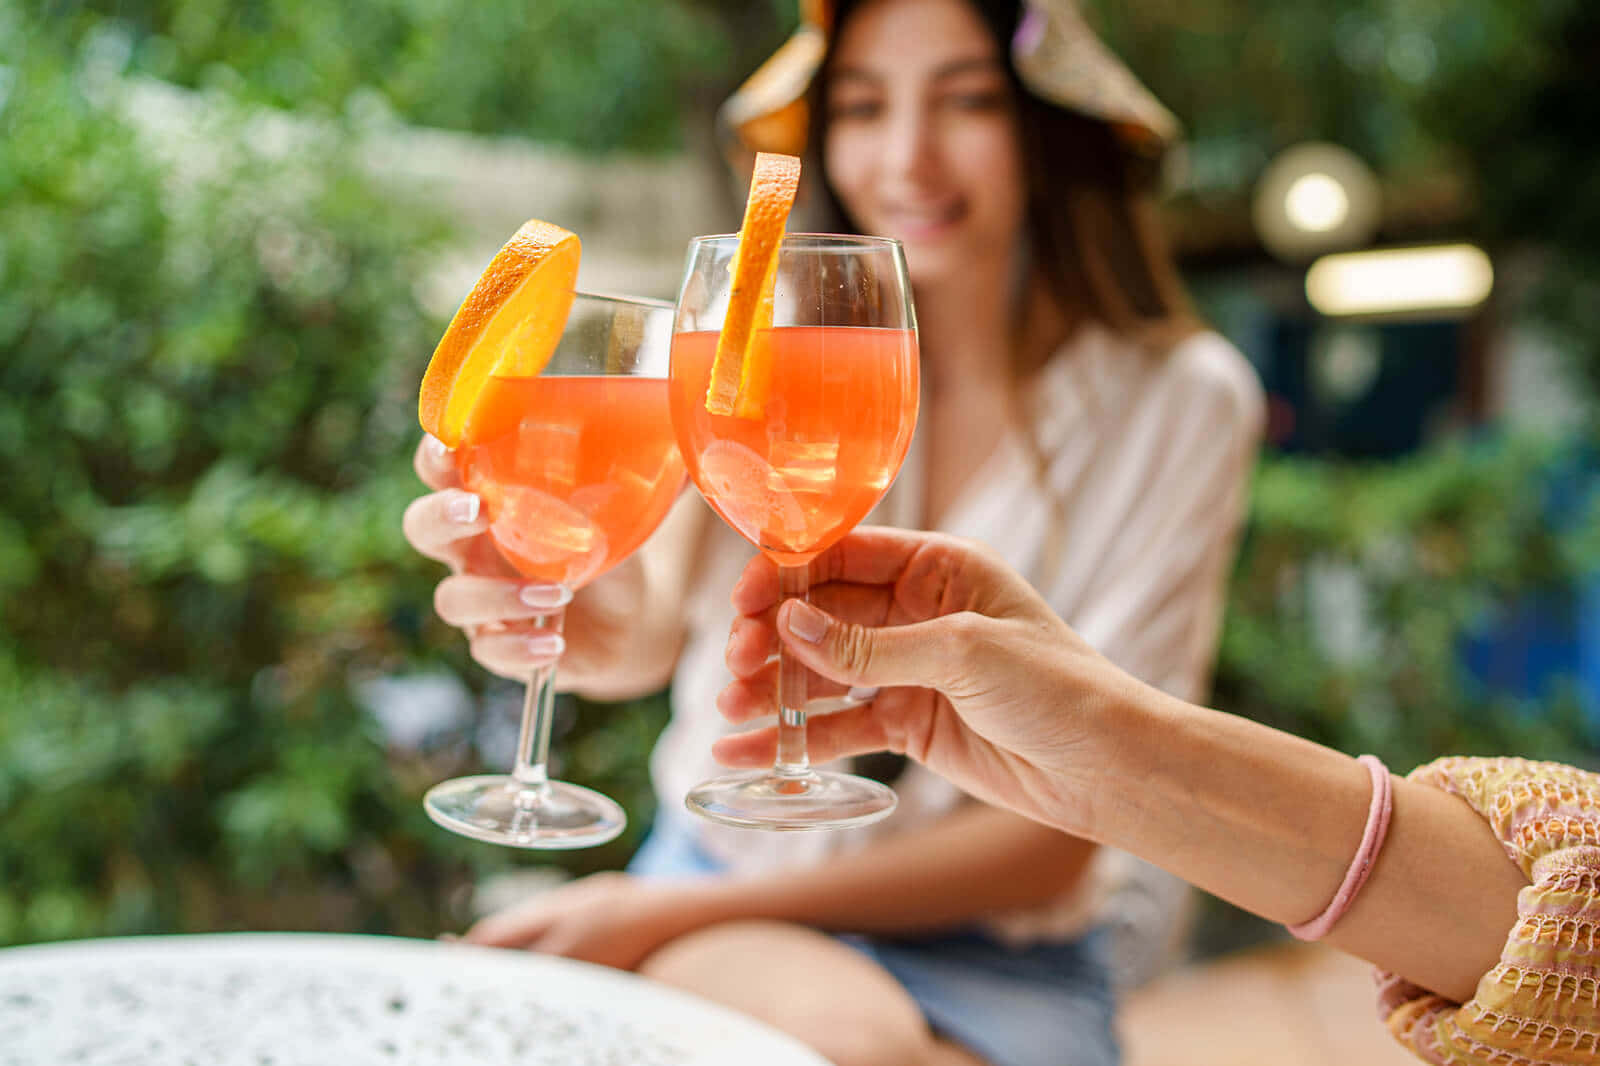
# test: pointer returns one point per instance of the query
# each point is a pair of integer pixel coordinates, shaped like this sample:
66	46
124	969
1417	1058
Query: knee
836	1002
859	1042
715	954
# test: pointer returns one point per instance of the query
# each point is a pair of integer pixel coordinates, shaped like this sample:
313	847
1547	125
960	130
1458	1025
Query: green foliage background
208	362
207	409
595	74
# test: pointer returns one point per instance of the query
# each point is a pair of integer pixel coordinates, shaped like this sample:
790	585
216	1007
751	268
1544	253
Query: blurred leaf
600	75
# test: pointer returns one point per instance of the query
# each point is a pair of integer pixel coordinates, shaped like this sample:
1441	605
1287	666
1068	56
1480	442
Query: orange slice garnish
509	324
742	367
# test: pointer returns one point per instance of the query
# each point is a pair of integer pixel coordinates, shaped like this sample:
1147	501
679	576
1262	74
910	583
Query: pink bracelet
1361	866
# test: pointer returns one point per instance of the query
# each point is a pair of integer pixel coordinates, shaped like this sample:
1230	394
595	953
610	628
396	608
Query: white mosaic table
290	999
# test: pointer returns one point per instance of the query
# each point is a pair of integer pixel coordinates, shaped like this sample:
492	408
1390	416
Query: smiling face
921	138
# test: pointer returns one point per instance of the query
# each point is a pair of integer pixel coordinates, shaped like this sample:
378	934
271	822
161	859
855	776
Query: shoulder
1206	372
1197	403
1202	379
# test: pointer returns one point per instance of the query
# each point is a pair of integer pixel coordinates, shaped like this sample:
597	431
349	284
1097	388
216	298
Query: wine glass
576	467
832	401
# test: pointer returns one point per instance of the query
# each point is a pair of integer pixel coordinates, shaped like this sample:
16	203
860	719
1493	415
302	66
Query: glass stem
794	583
538	714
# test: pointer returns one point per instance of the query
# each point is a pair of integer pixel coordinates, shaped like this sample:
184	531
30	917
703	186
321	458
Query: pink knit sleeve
1541	1005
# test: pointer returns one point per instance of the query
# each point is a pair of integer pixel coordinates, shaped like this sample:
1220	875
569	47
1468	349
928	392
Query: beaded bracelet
1378	815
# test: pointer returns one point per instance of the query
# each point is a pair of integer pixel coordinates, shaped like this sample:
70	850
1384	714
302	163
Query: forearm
976	861
1271	822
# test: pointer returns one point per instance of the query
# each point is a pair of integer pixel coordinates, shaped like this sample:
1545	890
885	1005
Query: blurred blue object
1545	644
1531	645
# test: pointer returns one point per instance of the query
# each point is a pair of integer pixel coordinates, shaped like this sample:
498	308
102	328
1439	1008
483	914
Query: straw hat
1054	52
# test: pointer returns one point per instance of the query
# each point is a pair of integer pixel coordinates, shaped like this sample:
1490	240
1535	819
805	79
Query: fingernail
546	645
434	446
807	623
859	694
463	508
545	596
448	938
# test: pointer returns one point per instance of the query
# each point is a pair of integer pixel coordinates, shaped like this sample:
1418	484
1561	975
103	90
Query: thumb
917	654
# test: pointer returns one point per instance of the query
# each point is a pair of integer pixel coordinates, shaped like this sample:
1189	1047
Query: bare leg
837	1001
947	1053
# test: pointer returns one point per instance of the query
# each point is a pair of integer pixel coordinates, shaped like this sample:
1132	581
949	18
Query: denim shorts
1045	1004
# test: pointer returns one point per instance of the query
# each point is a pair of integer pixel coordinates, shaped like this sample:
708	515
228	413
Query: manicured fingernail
463	508
434	446
807	623
546	645
859	694
548	597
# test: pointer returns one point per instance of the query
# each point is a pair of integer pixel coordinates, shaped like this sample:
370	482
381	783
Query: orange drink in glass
576	467
826	404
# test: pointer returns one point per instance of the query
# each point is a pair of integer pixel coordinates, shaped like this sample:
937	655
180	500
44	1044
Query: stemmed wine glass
828	404
576	467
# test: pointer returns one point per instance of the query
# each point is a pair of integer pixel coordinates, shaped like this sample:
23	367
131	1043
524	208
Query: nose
910	145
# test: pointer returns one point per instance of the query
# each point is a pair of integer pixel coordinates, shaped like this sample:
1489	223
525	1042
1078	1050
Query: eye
854	108
984	101
977	100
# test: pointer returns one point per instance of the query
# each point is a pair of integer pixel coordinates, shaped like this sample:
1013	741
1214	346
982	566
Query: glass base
763	799
499	809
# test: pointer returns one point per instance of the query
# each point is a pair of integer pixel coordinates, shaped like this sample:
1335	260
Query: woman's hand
612	919
1015	708
497	608
978	678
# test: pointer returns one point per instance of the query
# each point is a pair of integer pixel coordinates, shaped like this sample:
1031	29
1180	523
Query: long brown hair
1093	237
1092	224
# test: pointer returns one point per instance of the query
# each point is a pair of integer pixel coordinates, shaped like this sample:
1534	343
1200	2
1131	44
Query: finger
435	464
927	654
514	927
757	588
874	555
749	699
833	736
470	600
440	524
757	696
752	644
753	640
750	750
858	694
853	602
516	655
756	591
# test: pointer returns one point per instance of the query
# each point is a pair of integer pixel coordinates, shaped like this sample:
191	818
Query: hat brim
1055	54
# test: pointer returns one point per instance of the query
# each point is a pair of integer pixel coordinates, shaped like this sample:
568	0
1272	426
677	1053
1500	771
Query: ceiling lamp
1435	280
1313	199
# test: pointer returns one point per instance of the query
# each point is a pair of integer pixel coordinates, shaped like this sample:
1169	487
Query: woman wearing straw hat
1075	417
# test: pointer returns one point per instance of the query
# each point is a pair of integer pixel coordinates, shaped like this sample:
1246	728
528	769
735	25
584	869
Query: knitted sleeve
1541	1005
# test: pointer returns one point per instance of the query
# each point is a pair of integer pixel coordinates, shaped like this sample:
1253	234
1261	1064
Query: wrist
1261	818
687	905
1132	739
791	896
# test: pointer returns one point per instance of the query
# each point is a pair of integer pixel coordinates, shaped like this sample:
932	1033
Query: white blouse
1123	512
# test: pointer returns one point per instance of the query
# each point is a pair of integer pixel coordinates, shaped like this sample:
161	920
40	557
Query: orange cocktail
793	417
576	471
556	403
833	431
